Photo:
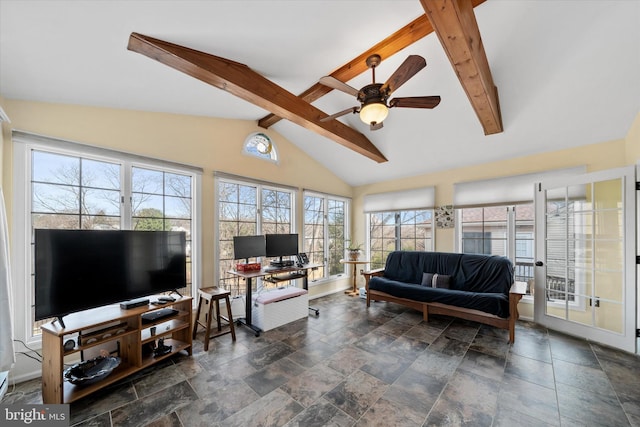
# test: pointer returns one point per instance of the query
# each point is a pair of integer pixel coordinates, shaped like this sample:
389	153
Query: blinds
30	138
507	190
419	198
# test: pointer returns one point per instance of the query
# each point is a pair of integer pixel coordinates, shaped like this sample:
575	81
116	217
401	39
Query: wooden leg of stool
218	319
208	331
230	318
195	324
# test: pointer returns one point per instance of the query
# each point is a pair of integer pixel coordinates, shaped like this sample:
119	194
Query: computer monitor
279	245
245	247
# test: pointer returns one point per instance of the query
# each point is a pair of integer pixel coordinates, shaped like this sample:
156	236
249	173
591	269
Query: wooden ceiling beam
406	36
455	24
239	80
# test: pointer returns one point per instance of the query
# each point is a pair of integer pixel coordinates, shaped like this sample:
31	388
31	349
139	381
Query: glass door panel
586	254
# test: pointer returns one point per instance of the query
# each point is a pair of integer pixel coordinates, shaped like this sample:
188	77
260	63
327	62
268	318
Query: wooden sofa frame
518	289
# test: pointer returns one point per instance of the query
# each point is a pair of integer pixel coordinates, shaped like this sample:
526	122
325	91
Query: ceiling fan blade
334	83
415	102
340	114
376	126
408	69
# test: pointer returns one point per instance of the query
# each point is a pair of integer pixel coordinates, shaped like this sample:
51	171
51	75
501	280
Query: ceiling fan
374	98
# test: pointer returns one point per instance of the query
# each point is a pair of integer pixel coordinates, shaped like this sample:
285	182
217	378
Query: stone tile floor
381	366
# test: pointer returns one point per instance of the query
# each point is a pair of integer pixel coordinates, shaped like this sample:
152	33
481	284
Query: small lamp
374	112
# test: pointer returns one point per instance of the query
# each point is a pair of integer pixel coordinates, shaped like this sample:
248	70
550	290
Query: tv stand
105	327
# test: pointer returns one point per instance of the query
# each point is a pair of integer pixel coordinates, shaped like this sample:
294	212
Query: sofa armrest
367	276
371	273
519	288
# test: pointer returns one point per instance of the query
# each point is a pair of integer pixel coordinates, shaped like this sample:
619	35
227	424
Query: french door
585	275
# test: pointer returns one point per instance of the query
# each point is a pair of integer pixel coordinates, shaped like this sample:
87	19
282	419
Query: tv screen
245	247
80	269
281	244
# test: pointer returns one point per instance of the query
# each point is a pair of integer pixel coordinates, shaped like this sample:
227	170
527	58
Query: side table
354	291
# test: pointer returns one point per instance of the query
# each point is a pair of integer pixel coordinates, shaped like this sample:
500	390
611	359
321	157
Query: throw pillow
427	279
441	281
435	280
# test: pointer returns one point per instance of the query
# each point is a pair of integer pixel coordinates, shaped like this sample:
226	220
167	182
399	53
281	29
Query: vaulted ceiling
515	77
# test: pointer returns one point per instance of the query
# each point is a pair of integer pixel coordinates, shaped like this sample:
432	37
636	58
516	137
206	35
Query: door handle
539	263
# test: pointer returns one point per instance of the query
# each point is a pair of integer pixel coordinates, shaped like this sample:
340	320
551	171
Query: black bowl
91	371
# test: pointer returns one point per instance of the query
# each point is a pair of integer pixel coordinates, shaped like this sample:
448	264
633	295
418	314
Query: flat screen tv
245	247
80	269
279	245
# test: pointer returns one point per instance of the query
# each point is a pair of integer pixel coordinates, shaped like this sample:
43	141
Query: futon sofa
475	287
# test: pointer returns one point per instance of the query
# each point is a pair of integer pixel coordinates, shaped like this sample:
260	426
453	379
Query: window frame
22	229
327	198
511	242
219	177
249	148
398	240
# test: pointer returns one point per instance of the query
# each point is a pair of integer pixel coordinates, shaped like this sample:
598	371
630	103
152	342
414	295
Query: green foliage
150	219
354	247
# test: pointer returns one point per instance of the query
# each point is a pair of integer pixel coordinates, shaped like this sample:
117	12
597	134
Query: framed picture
445	216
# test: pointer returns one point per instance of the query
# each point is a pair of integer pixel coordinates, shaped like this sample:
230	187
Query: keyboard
153	316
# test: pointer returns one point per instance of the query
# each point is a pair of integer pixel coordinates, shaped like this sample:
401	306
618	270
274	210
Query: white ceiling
567	72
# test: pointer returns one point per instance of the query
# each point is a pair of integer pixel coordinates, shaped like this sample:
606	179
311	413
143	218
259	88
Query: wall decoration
444	216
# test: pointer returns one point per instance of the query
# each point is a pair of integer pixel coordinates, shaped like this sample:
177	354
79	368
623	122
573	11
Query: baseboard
331	292
25	376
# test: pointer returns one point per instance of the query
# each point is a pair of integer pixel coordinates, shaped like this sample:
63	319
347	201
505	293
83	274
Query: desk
276	274
354	291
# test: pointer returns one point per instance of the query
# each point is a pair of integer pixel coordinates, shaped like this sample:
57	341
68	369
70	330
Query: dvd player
286	263
126	305
155	315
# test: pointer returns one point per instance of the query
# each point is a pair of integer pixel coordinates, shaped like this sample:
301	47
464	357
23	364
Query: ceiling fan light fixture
374	112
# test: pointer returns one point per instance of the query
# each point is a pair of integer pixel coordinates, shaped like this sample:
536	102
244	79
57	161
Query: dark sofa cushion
469	272
480	282
493	303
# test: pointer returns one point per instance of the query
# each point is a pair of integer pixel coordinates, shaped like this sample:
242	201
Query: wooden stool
214	294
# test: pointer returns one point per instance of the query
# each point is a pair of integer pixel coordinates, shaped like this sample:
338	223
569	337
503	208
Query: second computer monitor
279	245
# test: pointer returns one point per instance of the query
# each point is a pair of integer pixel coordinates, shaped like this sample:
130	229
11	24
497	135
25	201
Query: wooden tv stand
106	327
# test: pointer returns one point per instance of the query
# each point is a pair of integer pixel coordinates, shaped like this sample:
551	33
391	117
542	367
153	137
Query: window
73	192
408	230
484	230
261	146
73	186
325	231
399	220
500	230
276	211
496	216
247	208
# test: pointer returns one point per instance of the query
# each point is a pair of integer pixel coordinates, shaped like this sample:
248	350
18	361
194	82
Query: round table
355	263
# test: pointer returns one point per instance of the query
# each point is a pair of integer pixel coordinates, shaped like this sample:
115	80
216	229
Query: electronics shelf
110	326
